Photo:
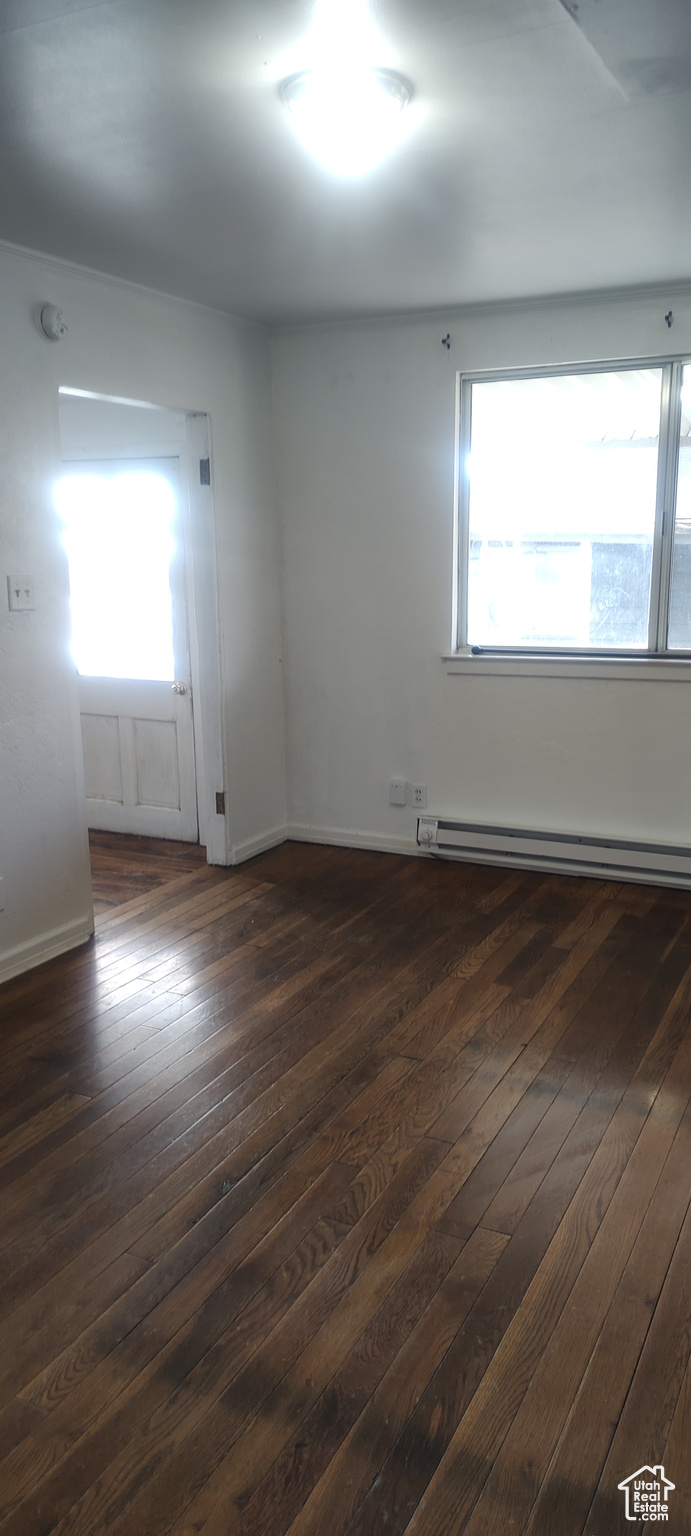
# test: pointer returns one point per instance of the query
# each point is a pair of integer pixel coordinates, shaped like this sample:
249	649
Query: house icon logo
645	1494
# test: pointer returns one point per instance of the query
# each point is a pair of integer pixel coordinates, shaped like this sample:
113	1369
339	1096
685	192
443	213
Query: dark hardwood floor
348	1195
123	867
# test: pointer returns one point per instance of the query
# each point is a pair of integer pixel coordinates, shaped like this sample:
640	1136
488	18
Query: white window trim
629	669
655	664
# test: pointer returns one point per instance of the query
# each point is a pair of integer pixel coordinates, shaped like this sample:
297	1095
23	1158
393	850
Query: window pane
679	637
118	537
563	477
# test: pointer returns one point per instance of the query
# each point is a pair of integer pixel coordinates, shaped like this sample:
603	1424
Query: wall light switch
20	592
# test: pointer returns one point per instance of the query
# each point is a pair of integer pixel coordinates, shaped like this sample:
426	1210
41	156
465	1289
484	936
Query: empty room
345	790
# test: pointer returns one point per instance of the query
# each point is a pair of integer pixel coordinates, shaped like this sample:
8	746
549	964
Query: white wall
129	343
365	452
107	429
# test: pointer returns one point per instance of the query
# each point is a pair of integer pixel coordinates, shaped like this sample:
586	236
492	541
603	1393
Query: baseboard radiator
609	858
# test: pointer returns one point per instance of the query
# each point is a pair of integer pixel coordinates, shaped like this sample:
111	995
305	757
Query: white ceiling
548	150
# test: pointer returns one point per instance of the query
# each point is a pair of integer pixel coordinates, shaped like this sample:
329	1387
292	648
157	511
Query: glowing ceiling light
346	111
349	120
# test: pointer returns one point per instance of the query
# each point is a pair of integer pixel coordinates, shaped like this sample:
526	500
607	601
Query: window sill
644	669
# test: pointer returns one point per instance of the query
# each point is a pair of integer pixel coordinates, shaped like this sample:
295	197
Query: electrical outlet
418	796
20	592
398	791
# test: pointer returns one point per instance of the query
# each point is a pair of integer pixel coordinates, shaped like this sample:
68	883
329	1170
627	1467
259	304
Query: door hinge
220	803
205	472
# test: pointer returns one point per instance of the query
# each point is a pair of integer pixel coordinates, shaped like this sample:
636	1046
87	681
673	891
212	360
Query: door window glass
118	533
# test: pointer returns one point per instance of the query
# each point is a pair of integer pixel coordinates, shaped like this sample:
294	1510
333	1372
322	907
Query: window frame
656	658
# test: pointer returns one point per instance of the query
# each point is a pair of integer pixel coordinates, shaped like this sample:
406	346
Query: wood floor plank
466	1211
564	1494
676	1454
357	1464
484	1416
281	1494
648	1412
123	867
260	1418
189	1087
143	1135
449	1400
227	1416
204	1244
619	1281
373	1036
346	1192
98	1426
38	1126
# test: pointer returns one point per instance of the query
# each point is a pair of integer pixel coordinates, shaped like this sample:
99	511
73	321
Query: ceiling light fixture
347	117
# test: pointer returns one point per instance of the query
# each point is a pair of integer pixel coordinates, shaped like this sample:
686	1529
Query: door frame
201	578
198	522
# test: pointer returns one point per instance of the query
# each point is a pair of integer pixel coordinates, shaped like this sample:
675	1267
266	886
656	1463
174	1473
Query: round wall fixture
52	323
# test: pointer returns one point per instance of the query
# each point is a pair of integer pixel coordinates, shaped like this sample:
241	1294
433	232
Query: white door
124	541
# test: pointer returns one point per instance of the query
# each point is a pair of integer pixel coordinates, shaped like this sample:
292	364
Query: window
118	532
574	528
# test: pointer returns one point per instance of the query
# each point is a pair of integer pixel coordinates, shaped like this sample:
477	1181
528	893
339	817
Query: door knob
178	688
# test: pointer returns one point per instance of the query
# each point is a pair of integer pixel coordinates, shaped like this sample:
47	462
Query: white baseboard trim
335	837
339	837
45	947
254	845
346	838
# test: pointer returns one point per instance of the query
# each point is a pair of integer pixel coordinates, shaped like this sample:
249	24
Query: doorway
150	714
